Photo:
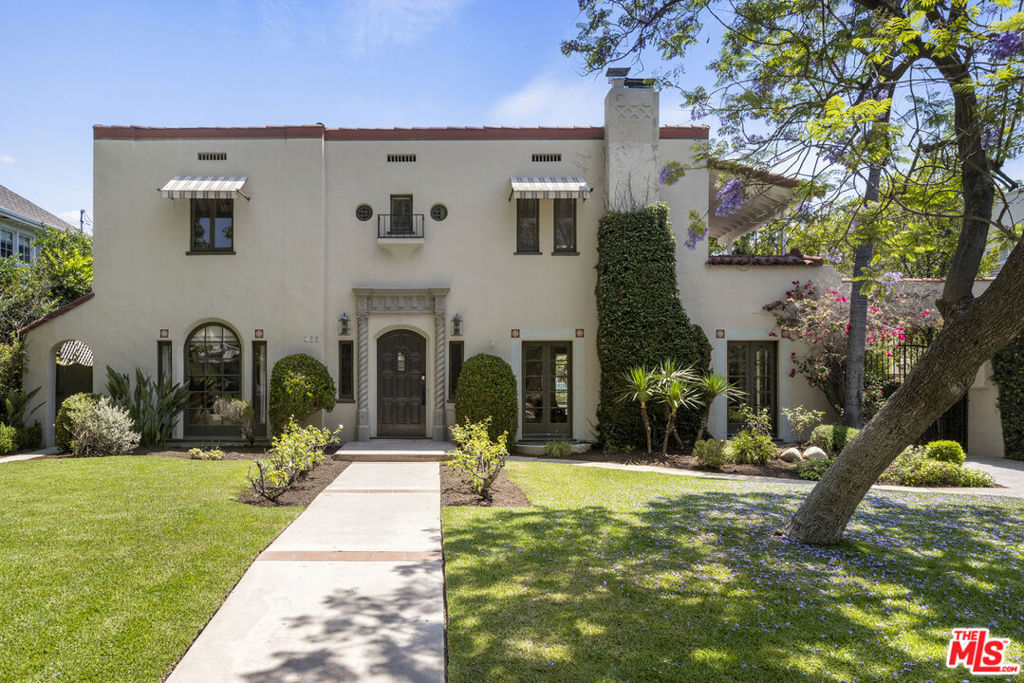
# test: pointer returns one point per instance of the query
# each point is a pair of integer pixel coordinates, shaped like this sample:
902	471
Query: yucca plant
639	385
709	388
667	373
16	404
153	406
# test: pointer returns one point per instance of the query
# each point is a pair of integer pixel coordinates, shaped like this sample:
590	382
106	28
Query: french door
752	368
547	389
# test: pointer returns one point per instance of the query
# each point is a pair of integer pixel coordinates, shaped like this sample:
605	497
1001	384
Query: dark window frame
259	398
522	246
572	247
395	226
346	371
211	213
456	357
750	373
205	429
164	368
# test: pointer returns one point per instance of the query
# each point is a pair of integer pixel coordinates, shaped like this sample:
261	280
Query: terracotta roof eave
793	258
54	314
101	132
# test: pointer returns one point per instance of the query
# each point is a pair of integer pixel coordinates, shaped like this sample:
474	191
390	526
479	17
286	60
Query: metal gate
894	362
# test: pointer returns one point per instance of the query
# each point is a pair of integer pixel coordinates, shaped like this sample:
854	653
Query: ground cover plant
109	567
618	575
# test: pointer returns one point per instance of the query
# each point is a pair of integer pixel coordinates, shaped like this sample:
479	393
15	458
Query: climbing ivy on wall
641	320
1008	365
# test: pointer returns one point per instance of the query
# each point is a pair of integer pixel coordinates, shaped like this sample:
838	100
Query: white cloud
69	216
552	99
374	23
6	159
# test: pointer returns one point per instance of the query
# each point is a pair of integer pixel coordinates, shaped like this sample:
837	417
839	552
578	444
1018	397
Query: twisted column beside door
440	372
363	411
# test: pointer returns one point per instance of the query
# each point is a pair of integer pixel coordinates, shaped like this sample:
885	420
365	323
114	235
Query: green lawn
109	567
616	576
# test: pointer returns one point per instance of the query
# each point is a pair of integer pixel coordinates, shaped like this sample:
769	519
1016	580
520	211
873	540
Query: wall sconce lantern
457	325
343	325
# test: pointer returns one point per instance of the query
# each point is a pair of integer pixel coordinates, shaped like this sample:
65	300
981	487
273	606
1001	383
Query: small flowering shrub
200	454
67	417
751	449
478	458
710	453
819	318
832	438
801	421
8	439
945	451
914	468
813	469
557	449
292	455
104	430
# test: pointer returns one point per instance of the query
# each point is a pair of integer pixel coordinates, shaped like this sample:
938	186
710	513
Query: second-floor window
213	228
401	213
527	226
565	226
16	243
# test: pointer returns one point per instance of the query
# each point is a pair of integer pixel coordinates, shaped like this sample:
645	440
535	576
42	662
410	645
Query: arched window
213	370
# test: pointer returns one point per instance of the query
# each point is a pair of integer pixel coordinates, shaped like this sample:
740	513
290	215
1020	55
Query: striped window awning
549	188
203	187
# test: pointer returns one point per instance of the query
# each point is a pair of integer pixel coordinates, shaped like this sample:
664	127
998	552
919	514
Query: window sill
344	400
565	253
528	253
208	252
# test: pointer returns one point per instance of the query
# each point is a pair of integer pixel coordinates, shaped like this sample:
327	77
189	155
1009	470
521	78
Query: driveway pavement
352	590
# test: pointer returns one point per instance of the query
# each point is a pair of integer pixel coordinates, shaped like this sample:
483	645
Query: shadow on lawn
697	586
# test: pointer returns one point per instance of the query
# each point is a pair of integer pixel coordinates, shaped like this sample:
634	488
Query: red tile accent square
579	331
720	334
164	333
515	333
258	334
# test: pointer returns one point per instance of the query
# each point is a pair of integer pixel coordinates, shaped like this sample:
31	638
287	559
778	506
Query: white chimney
631	141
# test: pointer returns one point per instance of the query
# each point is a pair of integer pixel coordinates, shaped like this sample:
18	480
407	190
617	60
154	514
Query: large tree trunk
856	338
938	380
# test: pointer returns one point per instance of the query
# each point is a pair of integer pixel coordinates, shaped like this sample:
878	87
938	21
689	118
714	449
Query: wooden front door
547	389
401	384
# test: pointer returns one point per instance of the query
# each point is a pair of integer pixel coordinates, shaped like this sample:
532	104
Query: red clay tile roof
101	132
53	314
793	258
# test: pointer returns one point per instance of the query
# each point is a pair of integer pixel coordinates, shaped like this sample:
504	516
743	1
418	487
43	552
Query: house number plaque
312	339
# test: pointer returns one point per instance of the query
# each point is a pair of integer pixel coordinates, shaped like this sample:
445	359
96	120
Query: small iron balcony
391	226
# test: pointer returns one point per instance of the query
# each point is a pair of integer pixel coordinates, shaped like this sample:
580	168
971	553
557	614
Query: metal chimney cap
617	72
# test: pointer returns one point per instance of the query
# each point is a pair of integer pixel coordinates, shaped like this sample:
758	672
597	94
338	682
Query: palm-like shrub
710	388
639	386
675	388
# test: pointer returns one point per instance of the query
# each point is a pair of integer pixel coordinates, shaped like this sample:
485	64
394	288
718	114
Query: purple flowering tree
835	94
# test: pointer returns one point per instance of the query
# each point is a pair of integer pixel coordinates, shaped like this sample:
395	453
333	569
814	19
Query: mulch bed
304	490
679	461
504	494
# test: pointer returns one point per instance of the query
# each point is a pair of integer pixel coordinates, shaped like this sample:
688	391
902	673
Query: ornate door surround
403	301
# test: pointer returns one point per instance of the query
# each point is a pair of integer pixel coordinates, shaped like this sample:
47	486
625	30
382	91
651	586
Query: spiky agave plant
676	388
667	372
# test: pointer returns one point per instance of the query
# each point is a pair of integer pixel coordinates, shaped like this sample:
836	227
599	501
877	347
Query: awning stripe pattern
74	351
549	188
203	187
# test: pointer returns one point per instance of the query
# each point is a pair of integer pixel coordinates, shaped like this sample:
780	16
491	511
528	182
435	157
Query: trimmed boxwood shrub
1008	374
8	439
832	438
641	320
63	424
945	451
487	389
299	386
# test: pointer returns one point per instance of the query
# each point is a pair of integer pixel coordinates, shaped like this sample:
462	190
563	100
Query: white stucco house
20	222
393	254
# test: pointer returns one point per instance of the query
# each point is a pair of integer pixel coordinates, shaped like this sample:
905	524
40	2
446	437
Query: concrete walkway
31	455
352	590
1008	474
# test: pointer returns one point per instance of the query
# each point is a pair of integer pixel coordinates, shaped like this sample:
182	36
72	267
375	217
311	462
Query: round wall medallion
364	212
439	212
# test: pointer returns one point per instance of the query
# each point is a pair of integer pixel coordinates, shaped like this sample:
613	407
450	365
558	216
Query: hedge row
1008	367
641	320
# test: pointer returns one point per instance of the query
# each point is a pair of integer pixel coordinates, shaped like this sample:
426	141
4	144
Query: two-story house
392	255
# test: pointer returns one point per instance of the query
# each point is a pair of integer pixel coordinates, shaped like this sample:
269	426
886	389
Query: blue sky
68	65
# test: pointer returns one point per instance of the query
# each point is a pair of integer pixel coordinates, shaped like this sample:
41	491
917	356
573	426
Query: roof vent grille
213	156
547	157
401	158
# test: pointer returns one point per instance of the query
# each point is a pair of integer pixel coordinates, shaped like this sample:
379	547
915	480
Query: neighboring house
20	221
394	254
